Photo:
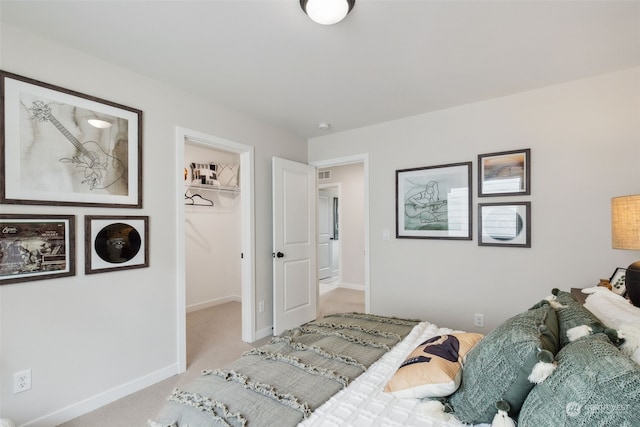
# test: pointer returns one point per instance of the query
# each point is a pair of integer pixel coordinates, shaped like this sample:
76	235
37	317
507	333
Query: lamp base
632	283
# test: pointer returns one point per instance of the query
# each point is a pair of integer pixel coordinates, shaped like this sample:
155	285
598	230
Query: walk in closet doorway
212	227
215	231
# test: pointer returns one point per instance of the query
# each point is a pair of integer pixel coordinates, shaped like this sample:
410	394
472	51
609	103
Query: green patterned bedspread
281	383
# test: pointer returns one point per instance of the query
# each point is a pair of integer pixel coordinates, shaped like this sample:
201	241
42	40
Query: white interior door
295	289
325	269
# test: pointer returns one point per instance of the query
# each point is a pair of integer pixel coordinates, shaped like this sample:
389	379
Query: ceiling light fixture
327	12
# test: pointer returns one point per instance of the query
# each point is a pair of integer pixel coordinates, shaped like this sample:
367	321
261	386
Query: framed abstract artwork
434	202
617	281
61	147
507	173
115	243
36	247
504	224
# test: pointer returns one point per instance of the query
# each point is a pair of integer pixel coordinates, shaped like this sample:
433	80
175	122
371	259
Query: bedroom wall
585	145
92	339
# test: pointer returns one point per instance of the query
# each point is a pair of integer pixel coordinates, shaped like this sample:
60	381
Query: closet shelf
216	188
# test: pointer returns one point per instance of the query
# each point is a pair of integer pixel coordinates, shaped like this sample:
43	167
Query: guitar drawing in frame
433	202
91	165
426	207
61	147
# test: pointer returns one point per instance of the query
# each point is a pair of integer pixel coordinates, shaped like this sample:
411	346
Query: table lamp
625	234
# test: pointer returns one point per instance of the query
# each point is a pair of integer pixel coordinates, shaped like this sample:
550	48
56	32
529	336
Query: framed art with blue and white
62	147
434	202
504	224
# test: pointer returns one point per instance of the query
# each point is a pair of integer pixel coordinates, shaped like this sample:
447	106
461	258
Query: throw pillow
228	174
498	367
594	385
434	368
571	314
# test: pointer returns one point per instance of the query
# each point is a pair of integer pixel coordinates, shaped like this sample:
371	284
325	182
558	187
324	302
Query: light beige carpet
213	341
341	300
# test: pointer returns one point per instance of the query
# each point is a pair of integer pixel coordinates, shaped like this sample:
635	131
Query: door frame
364	159
248	238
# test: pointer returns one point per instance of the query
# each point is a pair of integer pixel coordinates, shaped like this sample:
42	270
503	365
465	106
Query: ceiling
387	60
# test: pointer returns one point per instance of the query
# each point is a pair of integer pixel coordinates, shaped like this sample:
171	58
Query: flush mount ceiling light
327	12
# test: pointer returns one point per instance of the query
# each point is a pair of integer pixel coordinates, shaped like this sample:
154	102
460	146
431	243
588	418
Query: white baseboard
327	287
262	333
85	406
351	286
213	303
333	280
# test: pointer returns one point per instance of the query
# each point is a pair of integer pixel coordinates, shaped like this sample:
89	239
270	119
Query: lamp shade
327	12
625	222
625	234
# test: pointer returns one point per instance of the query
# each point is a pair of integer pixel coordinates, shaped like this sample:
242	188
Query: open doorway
243	252
329	233
212	226
342	237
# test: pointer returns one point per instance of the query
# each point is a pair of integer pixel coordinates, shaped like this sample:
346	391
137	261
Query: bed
554	364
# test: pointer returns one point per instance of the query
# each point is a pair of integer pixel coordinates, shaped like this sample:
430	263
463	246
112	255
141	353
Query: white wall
92	339
212	238
585	147
351	178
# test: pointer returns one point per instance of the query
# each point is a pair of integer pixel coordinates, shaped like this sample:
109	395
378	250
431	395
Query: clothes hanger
203	201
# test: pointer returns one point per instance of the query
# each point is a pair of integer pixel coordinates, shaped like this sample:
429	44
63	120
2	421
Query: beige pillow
434	368
228	174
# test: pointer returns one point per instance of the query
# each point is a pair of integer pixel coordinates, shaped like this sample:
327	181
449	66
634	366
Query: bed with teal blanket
311	363
554	364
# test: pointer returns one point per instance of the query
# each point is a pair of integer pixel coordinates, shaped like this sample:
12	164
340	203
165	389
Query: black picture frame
64	148
617	281
506	173
434	202
36	247
504	224
115	243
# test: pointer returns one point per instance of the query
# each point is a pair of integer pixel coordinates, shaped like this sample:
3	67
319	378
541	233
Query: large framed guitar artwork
434	202
62	147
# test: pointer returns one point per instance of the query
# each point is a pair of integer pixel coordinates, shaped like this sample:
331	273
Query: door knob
278	255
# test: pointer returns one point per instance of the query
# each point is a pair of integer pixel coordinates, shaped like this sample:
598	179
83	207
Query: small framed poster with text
36	247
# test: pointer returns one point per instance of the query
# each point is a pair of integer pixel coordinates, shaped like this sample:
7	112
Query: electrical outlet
261	306
22	381
478	320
